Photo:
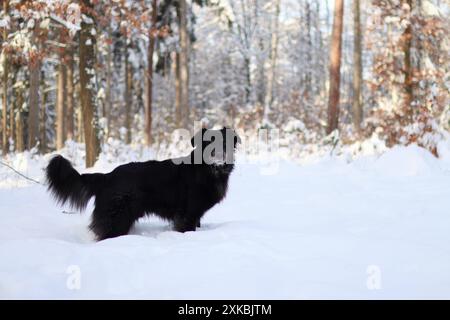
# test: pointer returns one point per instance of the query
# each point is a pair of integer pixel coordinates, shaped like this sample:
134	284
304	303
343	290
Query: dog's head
215	146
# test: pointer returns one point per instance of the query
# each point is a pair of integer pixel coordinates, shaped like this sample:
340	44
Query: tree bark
273	59
61	101
43	145
20	145
80	126
357	69
260	88
108	93
248	80
18	119
335	66
321	67
184	63
5	144
407	66
178	112
88	87
70	95
151	49
128	93
33	116
12	112
308	73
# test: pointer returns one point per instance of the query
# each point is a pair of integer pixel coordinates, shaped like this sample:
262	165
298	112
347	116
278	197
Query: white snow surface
377	227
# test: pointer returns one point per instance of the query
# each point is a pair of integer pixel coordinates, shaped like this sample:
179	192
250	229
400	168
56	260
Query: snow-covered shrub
397	128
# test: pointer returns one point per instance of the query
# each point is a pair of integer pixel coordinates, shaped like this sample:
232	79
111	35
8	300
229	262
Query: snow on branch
73	28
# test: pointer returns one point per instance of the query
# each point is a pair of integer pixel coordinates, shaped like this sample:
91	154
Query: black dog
180	190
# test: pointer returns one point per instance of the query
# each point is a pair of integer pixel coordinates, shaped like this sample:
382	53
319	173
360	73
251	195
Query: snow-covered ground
377	227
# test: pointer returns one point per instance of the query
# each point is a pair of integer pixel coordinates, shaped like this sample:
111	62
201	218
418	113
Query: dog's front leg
185	223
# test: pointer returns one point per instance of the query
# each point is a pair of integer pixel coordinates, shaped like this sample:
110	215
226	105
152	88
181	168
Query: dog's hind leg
113	219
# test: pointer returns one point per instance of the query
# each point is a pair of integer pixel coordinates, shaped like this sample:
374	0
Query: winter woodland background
322	72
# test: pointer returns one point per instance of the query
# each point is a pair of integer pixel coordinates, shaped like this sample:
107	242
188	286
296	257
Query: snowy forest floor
376	227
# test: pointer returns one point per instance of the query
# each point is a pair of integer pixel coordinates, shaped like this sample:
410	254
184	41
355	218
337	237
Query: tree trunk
60	103
79	130
43	116
5	146
88	87
178	112
128	93
20	145
184	63
108	93
69	93
12	111
321	67
248	80
80	126
273	59
407	67
260	93
33	116
12	118
335	66
151	49
309	50
357	68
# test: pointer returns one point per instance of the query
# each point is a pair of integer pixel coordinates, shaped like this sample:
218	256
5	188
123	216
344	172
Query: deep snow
377	227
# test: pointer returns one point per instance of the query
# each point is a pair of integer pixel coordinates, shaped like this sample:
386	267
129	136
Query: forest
320	72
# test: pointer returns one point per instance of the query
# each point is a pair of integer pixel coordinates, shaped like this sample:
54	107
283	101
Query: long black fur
178	192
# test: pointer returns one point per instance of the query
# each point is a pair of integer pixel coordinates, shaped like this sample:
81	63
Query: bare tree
357	68
61	97
88	85
149	77
19	142
407	64
335	66
12	110
43	143
108	91
70	94
184	63
309	45
245	26
33	116
20	146
128	93
273	59
5	145
176	71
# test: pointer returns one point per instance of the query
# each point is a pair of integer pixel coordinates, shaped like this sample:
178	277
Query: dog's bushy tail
67	185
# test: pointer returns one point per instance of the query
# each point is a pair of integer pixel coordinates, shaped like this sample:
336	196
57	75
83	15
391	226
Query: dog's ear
198	137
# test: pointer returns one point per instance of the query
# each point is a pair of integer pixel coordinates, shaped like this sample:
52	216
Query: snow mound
443	150
411	160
